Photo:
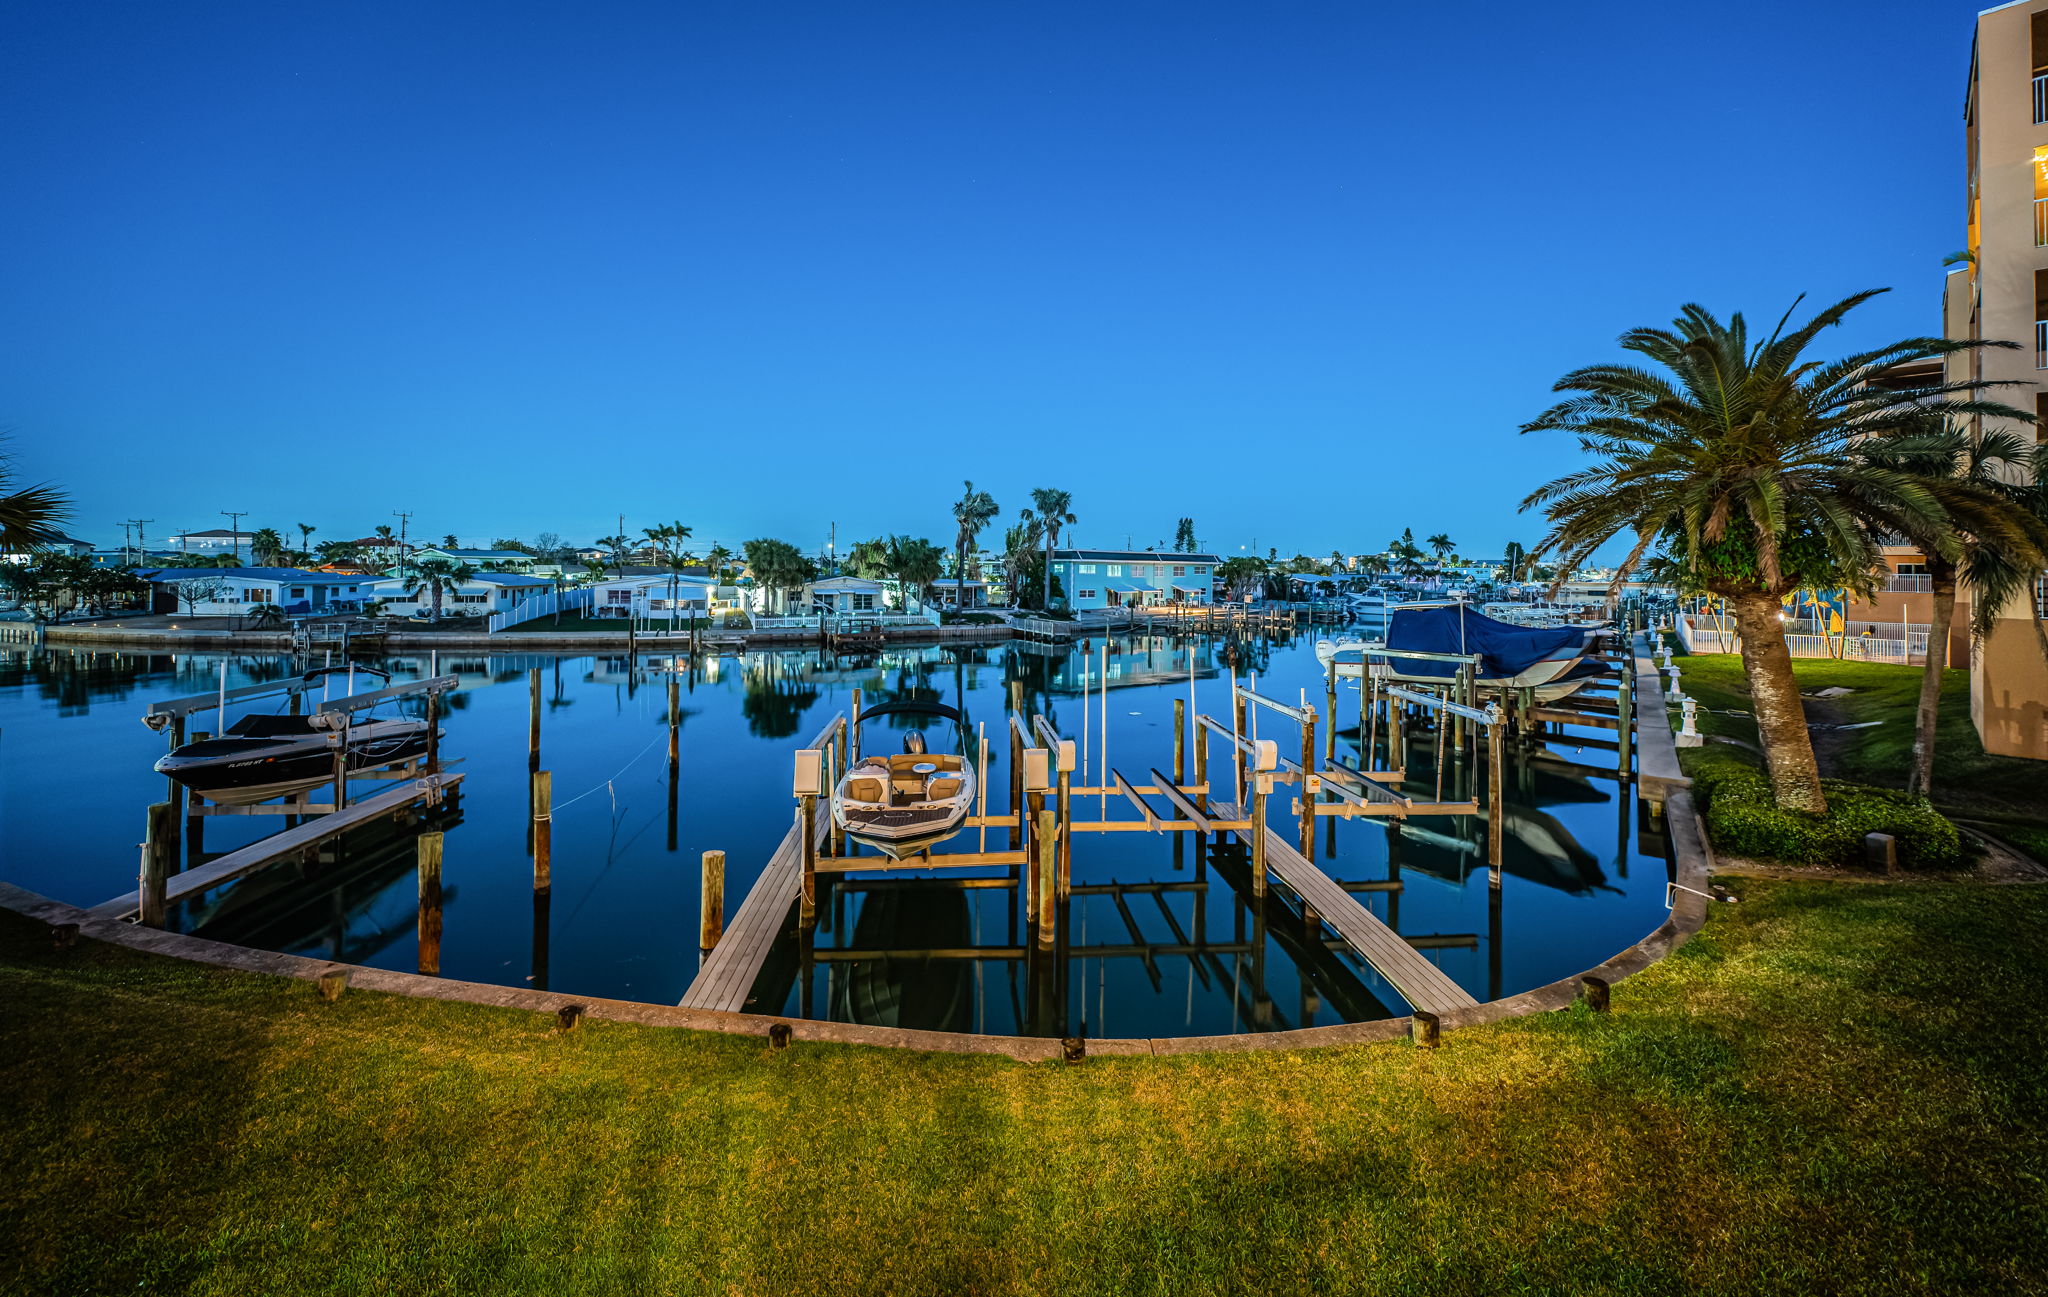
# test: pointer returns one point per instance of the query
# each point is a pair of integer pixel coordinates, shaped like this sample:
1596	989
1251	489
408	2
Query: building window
1199	571
863	603
2041	597
260	596
2041	416
470	598
1086	594
1085	569
298	592
2041	319
1180	569
618	596
1117	569
2040	67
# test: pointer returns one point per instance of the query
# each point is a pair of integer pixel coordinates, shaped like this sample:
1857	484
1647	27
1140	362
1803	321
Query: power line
235	529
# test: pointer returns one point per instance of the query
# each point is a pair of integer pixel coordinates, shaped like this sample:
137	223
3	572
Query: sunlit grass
1833	1088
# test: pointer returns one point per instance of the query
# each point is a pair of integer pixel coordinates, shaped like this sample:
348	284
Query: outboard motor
914	741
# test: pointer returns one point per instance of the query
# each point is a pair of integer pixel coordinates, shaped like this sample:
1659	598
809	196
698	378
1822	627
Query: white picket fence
929	617
1709	635
542	605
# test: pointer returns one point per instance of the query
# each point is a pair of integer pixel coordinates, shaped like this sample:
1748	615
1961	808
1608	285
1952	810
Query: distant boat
910	801
1347	653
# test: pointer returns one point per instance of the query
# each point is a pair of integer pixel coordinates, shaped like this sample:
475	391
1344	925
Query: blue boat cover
1506	650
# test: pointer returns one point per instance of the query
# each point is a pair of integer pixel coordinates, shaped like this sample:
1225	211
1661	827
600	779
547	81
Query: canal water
1162	937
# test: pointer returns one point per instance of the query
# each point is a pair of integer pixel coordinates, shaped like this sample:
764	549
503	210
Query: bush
1744	820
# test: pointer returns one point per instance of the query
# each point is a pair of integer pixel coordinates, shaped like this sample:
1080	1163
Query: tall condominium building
2002	293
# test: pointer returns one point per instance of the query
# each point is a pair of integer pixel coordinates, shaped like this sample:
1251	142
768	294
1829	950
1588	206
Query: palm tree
594	569
868	558
1743	459
435	577
1054	511
266	547
718	557
915	564
306	540
1442	544
973	511
779	566
339	551
615	546
1517	558
667	539
1994	540
1020	545
29	515
1407	554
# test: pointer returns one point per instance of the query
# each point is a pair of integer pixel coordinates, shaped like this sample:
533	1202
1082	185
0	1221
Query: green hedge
1744	820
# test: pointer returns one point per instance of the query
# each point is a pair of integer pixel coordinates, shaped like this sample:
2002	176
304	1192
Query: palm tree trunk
1920	778
1780	715
960	579
1051	538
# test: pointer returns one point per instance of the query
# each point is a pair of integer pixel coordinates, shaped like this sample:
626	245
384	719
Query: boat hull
241	773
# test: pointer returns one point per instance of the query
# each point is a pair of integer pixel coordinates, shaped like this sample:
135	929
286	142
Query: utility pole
235	529
137	524
403	518
127	529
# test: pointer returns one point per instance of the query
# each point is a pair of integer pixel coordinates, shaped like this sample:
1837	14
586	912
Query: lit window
1086	569
1114	569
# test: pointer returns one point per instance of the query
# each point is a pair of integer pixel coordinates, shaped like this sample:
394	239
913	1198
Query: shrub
1744	820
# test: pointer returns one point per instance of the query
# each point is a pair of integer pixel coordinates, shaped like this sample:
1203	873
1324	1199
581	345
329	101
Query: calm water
1161	937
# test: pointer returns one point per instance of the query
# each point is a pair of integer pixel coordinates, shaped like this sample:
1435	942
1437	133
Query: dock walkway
730	969
1421	983
279	846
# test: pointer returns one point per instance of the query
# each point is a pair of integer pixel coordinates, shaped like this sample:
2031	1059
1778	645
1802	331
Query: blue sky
1297	270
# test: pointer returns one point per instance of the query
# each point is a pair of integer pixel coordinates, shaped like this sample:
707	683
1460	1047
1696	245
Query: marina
1107	841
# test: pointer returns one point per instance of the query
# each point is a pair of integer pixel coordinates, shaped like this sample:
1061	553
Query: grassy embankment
1969	783
1834	1088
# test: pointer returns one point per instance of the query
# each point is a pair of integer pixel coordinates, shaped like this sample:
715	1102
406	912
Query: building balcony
1910	583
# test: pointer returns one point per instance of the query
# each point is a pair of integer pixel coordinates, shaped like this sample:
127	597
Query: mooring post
533	719
1047	844
433	730
711	901
1309	783
675	721
807	821
1625	721
1041	877
1258	821
1425	1029
853	733
1063	802
1180	746
428	852
1330	710
1241	733
159	841
543	830
1496	814
1594	991
1202	737
1016	805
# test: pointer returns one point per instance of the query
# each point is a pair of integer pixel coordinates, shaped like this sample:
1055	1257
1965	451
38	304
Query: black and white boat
262	757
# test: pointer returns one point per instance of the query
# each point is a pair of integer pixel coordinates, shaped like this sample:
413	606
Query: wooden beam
1180	800
1123	786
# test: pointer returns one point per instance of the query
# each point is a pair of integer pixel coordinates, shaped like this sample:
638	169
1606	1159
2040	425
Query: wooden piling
675	721
1496	814
1016	804
332	983
1330	710
533	719
1594	991
159	842
1425	1029
711	901
1047	836
543	830
1625	722
433	730
1258	818
1240	731
428	852
1180	745
1308	798
807	898
853	733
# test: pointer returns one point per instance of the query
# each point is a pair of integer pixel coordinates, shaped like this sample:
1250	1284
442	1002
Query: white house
480	596
212	541
239	591
649	597
505	560
944	593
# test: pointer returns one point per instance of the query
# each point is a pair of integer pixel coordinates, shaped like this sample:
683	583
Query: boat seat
864	790
943	788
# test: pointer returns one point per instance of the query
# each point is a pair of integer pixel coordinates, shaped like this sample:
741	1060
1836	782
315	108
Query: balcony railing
2041	99
1910	583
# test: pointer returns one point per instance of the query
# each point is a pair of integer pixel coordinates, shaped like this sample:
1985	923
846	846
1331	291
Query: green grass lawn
1967	780
1834	1088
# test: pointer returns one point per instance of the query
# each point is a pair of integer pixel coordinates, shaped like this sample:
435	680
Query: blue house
1120	578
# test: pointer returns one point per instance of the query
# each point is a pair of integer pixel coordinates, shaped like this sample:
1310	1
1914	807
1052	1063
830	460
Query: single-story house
841	596
480	596
211	541
505	560
649	596
239	591
943	594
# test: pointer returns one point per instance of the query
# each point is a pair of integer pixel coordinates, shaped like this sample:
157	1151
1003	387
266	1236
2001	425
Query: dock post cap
809	779
1265	755
1067	760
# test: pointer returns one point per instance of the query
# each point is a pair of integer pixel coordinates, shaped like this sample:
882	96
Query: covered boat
1511	657
910	801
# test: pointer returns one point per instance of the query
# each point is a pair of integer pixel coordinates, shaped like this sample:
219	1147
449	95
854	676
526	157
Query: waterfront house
975	594
648	595
1118	578
239	591
502	560
843	596
65	545
482	595
210	542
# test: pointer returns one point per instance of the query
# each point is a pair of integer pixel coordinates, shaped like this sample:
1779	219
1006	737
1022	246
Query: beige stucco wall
2009	682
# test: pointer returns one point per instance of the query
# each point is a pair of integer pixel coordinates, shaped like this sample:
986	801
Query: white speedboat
907	802
1347	653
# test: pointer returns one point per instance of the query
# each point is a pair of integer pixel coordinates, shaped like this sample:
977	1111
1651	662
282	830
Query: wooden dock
730	969
280	846
1421	983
